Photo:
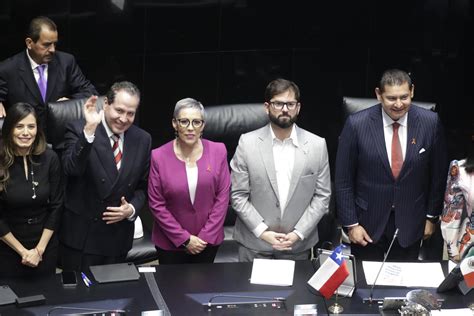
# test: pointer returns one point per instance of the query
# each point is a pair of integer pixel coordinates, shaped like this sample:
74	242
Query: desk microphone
371	296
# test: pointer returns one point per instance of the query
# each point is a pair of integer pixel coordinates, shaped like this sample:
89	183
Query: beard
283	120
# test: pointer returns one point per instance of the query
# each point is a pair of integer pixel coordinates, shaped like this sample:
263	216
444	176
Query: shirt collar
387	120
33	63
108	130
293	136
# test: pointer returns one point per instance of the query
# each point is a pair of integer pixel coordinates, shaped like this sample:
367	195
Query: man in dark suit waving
41	74
390	173
106	161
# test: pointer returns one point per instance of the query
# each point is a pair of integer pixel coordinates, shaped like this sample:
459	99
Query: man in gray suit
280	182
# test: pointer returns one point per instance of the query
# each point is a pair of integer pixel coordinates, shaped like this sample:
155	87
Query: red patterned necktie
397	156
116	150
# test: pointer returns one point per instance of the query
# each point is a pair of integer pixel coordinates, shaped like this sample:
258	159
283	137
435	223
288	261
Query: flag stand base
336	308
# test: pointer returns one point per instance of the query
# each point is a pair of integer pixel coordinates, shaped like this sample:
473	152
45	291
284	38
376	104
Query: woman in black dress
30	196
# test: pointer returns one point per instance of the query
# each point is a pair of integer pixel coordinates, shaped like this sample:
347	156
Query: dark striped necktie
116	150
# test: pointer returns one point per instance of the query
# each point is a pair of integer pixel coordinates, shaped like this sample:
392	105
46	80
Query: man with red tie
390	170
41	74
106	160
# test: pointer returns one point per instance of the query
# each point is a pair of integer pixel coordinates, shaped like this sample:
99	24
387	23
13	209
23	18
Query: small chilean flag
331	274
467	269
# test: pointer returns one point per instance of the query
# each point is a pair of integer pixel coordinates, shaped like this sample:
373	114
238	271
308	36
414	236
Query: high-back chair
225	123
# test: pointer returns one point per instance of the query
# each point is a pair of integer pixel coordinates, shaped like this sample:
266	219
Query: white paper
146	269
273	272
452	312
408	274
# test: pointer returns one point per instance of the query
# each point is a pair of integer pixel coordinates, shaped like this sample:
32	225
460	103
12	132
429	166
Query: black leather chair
59	114
431	249
225	123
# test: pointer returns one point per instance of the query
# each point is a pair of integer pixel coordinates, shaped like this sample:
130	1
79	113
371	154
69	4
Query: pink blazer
175	217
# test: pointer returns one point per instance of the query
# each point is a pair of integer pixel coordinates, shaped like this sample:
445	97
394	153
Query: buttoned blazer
366	190
255	191
65	79
94	183
176	218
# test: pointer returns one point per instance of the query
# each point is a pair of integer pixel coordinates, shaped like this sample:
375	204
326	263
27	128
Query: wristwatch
433	219
186	243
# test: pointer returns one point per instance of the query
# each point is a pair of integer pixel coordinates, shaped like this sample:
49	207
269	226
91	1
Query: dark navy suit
366	191
94	183
65	79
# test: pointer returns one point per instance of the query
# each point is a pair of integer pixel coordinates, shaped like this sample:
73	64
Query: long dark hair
16	113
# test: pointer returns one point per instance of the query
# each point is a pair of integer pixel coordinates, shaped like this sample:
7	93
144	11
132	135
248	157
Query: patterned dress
457	219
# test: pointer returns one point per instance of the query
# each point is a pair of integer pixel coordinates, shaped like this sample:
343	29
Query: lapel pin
413	141
208	168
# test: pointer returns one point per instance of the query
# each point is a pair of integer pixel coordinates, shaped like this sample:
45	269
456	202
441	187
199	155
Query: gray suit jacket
255	193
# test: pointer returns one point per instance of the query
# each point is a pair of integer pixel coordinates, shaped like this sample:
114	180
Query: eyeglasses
185	123
277	105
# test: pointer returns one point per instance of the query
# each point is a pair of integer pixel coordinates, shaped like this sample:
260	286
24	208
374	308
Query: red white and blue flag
331	274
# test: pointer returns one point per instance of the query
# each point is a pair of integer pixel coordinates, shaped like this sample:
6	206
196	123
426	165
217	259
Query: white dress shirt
388	134
34	68
192	175
284	152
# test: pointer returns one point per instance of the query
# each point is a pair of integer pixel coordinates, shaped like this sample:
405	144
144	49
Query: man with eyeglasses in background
280	182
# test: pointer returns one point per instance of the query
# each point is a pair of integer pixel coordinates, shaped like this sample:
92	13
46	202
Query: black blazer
365	187
93	184
65	79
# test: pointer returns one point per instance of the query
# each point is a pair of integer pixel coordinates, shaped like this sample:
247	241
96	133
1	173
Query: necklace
34	184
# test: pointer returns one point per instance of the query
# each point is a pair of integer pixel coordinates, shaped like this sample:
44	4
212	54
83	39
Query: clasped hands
196	245
115	214
280	241
31	257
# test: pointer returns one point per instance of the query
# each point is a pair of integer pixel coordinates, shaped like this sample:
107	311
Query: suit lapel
299	163
104	152
266	152
412	133
53	72
26	74
204	171
129	145
377	131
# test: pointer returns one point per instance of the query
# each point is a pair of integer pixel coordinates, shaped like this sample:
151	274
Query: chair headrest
62	112
233	120
225	123
352	105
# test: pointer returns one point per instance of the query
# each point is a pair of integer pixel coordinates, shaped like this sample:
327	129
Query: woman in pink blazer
188	190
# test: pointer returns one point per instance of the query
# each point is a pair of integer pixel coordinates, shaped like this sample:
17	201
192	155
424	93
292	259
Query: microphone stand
370	300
